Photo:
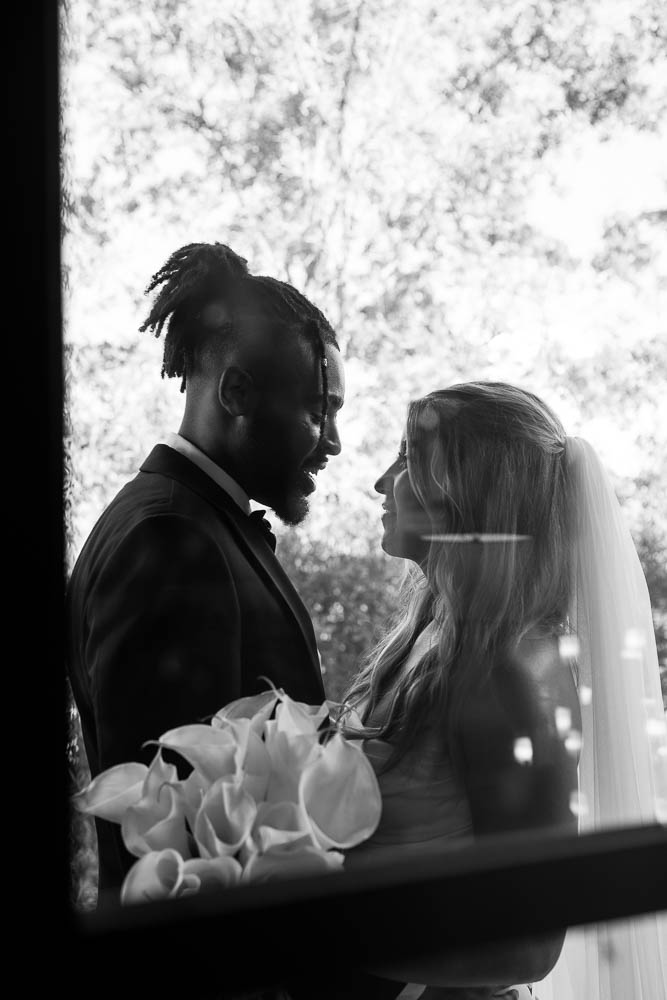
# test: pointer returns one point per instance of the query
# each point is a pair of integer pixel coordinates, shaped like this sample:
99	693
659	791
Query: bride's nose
383	484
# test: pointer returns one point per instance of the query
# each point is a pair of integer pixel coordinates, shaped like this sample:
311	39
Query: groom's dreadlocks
201	273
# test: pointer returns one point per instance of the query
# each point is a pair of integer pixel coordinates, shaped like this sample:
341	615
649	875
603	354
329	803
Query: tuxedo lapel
168	462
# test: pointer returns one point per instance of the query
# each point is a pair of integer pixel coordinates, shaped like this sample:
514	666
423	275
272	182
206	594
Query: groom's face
404	520
286	449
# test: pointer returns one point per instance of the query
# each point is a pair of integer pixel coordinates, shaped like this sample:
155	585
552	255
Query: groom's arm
164	636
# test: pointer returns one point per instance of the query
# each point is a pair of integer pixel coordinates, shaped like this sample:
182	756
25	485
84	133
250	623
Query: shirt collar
218	475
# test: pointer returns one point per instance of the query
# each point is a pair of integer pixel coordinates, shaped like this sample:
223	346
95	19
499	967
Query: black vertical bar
33	342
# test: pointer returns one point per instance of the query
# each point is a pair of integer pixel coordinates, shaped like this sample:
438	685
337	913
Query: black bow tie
258	519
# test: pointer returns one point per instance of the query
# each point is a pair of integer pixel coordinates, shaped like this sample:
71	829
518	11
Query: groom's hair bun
206	289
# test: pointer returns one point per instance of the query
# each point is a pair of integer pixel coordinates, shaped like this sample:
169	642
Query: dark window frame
503	887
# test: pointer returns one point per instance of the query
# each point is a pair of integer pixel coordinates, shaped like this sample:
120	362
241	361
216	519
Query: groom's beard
292	507
286	491
285	453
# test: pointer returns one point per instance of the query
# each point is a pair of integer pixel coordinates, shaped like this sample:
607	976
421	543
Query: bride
518	687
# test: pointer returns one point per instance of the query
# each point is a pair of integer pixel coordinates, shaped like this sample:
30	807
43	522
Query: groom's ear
237	393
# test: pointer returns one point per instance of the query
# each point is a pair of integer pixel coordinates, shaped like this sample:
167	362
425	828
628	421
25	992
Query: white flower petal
340	793
297	718
225	819
110	793
213	873
156	823
256	767
192	790
158	875
159	774
281	823
290	754
257	708
213	751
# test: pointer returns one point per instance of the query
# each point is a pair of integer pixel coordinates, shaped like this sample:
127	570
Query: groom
177	603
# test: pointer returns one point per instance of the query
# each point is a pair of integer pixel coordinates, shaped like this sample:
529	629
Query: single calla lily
255	768
291	753
280	823
293	742
113	791
339	791
158	774
192	790
216	752
295	717
213	873
157	875
257	708
225	819
157	822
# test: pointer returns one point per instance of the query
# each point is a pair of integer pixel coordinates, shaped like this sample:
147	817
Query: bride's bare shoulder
535	680
523	689
519	769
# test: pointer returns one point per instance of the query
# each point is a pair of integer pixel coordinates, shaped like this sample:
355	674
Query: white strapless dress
424	809
423	806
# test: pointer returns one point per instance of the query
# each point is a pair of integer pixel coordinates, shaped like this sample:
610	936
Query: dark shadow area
324	927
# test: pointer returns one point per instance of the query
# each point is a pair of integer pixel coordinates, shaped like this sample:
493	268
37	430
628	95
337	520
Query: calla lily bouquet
272	793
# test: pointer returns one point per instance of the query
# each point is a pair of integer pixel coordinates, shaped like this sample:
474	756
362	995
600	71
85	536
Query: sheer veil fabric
623	762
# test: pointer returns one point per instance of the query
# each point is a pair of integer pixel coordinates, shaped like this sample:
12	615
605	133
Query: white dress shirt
218	475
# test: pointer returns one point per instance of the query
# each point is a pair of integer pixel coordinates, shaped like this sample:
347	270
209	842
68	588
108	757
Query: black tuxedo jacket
176	606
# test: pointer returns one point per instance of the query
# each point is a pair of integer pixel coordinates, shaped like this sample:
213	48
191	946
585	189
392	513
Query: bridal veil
623	762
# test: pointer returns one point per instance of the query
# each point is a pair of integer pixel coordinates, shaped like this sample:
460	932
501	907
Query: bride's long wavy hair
484	458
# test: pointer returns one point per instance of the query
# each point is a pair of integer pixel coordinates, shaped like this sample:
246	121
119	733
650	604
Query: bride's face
404	520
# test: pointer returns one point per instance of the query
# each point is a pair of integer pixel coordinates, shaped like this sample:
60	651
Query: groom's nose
331	437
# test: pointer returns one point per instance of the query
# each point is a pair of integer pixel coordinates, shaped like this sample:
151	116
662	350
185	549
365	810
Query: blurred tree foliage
473	189
351	596
394	160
